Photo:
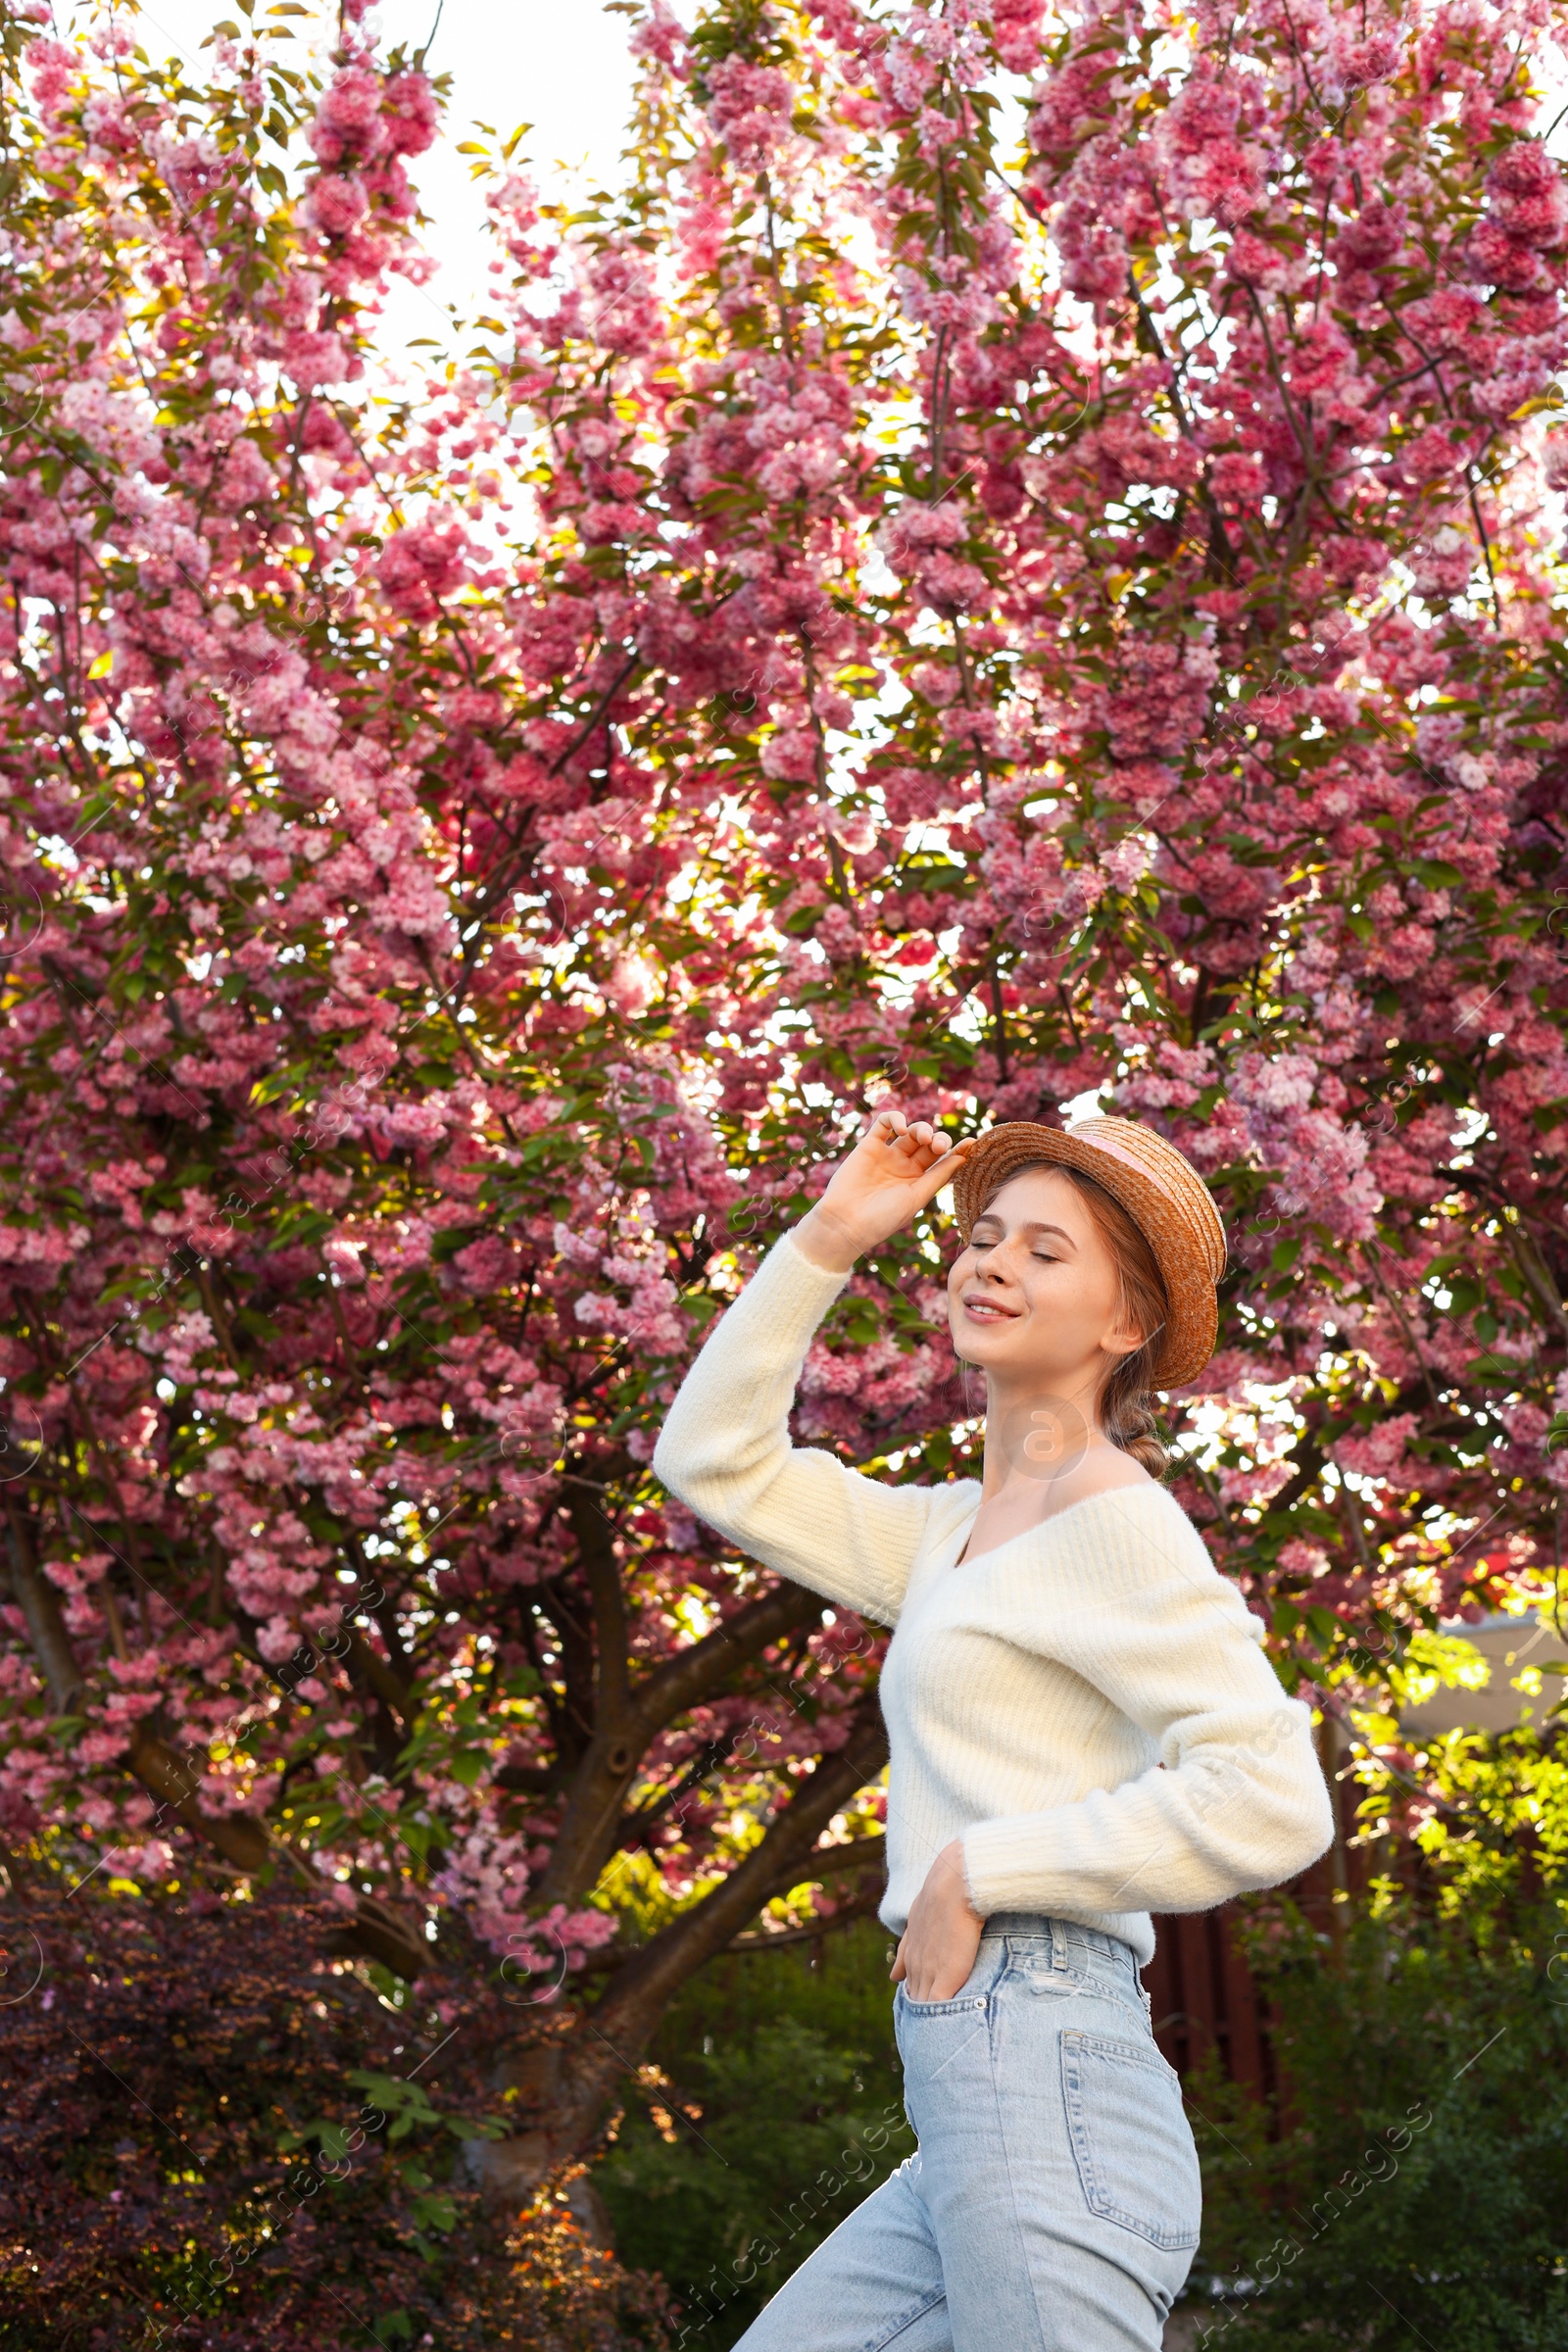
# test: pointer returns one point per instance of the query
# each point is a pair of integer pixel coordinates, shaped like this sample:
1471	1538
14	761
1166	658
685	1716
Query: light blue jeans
1053	2201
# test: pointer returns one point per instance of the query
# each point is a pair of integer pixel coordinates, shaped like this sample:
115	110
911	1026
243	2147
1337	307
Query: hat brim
1169	1204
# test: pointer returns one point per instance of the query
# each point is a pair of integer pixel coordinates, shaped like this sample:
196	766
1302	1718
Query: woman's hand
893	1170
937	1950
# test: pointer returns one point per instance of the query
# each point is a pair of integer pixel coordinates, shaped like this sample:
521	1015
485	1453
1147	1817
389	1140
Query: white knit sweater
1088	1704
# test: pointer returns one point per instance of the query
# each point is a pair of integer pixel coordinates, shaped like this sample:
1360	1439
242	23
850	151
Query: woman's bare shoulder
1104	1470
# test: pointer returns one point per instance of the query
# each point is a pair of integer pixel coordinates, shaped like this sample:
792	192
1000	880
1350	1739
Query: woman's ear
1123	1337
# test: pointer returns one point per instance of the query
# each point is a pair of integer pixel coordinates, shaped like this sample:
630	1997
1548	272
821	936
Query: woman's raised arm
725	1446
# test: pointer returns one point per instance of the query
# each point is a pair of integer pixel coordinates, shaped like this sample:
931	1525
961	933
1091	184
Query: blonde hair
1127	1409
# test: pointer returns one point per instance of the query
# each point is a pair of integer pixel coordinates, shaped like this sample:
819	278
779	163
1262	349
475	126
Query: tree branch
862	1906
827	1862
647	1983
239	1838
594	1821
39	1604
382	1679
596	1549
830	1862
694	1674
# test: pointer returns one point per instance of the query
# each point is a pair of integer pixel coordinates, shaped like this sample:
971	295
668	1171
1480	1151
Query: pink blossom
337	203
349	120
823	648
410	113
313	360
749	107
421	566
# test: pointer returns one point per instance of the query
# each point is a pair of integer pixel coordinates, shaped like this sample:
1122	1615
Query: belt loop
1059	1944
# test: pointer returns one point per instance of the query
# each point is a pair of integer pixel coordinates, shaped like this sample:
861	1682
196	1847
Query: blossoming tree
1010	560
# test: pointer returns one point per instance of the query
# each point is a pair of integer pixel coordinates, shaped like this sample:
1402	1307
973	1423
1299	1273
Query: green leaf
938	1452
280	1082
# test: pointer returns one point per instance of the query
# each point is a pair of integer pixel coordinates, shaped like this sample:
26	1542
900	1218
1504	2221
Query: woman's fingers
921	1147
909	1139
940	1170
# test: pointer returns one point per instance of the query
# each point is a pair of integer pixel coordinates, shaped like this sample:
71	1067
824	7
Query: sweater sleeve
725	1452
1237	1798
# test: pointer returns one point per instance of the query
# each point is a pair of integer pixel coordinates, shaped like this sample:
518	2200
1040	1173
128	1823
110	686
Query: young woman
1083	1727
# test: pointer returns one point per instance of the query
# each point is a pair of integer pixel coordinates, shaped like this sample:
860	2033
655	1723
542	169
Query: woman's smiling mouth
990	1310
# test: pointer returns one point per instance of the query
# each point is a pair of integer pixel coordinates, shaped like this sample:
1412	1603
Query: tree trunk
569	2081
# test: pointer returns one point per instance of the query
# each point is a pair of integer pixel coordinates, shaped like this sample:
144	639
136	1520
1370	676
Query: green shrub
1417	2188
780	2109
1410	2188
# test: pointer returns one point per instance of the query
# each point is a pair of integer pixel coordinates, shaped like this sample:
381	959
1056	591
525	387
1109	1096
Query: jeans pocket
954	2008
1131	2139
944	2048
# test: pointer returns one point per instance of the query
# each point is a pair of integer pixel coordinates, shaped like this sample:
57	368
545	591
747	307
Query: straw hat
1160	1190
